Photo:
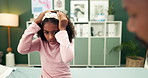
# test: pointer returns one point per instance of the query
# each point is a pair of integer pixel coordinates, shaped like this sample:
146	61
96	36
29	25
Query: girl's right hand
38	20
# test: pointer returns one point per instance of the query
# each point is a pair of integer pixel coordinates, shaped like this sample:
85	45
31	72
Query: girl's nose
51	36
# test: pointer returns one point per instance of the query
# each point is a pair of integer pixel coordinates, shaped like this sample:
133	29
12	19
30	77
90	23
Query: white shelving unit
93	49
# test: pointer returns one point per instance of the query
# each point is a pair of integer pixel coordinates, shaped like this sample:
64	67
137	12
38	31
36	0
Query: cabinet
92	44
94	41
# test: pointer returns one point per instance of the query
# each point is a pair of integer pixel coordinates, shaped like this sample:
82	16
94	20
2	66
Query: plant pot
110	18
130	62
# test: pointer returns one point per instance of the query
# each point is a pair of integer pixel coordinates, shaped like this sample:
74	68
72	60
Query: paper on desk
146	63
5	71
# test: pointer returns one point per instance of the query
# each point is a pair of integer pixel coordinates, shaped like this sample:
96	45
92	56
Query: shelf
100	22
105	21
81	37
114	22
80	22
97	37
100	37
113	37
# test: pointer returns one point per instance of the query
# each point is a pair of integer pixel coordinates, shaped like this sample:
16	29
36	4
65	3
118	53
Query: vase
131	62
110	18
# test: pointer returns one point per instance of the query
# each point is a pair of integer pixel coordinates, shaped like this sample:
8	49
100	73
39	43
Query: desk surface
124	72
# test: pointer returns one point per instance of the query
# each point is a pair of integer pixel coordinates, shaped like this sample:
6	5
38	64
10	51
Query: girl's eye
45	32
54	32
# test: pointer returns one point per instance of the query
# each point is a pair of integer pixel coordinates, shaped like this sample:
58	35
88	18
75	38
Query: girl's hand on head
63	21
38	20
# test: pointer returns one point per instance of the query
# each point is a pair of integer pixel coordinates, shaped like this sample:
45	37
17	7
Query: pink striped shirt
55	58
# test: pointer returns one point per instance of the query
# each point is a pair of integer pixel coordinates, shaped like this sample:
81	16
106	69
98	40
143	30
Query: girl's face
49	30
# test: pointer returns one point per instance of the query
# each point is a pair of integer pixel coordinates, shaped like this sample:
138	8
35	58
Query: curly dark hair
70	28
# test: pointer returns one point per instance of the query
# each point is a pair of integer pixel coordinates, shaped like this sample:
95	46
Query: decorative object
9	20
111	12
59	4
110	17
79	11
132	49
98	10
97	30
39	6
83	30
134	62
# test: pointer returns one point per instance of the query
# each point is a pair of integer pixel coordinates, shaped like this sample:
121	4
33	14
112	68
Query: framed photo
99	9
39	6
79	11
59	4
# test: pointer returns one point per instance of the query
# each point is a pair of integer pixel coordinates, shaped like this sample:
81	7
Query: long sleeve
27	44
66	48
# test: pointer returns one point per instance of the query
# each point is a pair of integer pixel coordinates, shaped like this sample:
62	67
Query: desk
119	72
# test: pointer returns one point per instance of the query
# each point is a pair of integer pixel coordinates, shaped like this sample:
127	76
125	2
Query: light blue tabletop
124	72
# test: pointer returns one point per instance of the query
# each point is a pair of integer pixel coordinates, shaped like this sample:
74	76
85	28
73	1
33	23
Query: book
111	31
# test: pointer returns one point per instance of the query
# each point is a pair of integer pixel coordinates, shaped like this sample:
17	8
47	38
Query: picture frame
79	11
39	6
99	10
59	4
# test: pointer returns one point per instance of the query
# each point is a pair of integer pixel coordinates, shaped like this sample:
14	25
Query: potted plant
111	12
132	50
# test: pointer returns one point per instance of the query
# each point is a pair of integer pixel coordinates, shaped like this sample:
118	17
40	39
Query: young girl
55	32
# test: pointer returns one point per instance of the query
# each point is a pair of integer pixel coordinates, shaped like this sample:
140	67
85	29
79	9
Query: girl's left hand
63	21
